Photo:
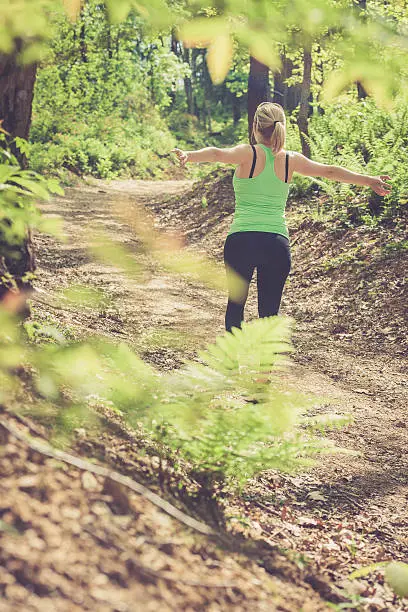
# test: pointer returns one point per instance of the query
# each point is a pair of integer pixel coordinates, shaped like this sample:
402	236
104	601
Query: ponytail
270	122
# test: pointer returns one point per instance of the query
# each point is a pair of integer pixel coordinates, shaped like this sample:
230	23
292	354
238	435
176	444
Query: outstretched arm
235	155
307	167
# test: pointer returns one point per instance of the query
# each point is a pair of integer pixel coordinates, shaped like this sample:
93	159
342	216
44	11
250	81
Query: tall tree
283	94
188	86
258	90
16	96
361	92
302	119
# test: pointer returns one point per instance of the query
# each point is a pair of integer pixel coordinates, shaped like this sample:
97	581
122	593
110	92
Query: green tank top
260	201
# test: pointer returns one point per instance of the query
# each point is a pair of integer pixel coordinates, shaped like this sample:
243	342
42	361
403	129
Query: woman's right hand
182	156
378	184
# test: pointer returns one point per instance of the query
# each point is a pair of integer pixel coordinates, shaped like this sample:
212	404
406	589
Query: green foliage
107	148
19	190
223	420
111	96
100	97
365	139
359	38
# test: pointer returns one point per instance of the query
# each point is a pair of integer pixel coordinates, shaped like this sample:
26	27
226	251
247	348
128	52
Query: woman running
258	237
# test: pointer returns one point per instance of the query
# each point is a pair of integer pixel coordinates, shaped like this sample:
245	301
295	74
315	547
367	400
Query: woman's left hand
378	184
181	155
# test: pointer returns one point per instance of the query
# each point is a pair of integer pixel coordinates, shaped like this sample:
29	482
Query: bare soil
288	543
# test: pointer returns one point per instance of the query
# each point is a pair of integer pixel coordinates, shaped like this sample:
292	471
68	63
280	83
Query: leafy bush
363	138
106	148
19	189
99	104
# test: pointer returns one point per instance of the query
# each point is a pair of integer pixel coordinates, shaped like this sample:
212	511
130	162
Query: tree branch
99	470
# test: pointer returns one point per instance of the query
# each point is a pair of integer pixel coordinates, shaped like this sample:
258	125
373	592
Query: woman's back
260	200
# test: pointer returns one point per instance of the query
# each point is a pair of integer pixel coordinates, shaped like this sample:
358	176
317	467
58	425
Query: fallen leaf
316	496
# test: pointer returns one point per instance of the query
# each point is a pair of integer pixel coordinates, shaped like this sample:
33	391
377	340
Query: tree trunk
236	108
302	120
320	79
258	90
361	92
279	88
109	41
175	45
82	41
208	96
188	86
288	97
16	96
194	57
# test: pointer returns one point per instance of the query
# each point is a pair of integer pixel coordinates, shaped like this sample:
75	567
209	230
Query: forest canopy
114	86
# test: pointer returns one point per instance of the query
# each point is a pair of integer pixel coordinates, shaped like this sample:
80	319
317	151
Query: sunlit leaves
358	42
167	249
27	20
19	190
155	12
73	8
118	11
200	32
261	47
228	423
373	54
252	348
260	25
219	57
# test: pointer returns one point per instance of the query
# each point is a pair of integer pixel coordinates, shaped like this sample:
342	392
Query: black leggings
267	252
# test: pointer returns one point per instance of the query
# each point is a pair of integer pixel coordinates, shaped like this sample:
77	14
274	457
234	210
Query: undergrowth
225	423
363	138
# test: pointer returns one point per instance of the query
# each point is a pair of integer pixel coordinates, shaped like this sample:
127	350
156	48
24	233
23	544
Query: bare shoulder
283	152
237	155
243	149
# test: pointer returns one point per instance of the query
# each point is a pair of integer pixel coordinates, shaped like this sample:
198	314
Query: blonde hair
270	123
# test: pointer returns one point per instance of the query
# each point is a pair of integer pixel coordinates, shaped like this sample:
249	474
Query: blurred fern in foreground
226	422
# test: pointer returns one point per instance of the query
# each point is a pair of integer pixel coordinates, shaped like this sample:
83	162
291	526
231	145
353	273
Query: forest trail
347	512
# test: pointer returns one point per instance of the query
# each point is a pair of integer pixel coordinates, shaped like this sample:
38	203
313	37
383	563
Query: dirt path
347	512
143	312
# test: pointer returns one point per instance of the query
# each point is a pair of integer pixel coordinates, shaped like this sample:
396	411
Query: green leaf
201	31
7	171
52	226
35	188
219	58
118	10
22	145
54	186
396	574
